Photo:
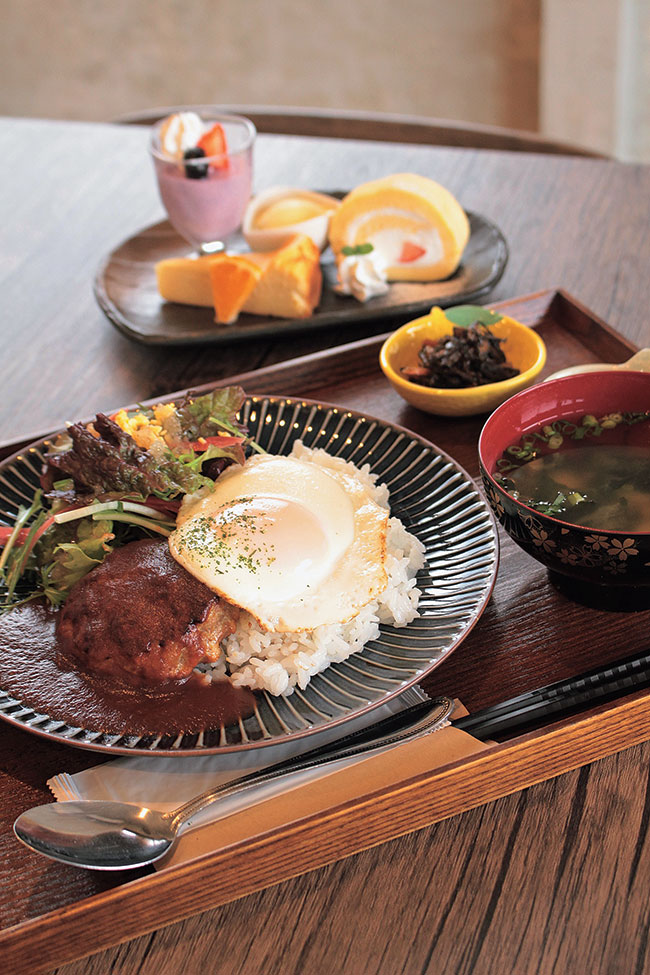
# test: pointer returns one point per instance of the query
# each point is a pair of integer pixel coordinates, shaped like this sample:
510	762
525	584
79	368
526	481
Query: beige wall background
568	68
595	74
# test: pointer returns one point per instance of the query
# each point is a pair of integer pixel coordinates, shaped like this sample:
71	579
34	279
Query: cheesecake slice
284	283
291	281
185	280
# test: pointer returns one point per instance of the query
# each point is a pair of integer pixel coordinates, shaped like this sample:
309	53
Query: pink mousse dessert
204	169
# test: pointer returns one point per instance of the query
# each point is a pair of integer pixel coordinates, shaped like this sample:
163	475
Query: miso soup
584	473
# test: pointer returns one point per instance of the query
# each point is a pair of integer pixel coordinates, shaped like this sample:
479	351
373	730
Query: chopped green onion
98	507
21	519
162	527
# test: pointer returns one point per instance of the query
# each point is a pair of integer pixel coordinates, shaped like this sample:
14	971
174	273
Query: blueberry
195	170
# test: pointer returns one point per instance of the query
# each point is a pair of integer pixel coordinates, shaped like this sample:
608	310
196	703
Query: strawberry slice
410	252
213	143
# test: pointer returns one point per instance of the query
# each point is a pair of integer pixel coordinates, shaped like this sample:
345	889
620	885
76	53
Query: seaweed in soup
590	472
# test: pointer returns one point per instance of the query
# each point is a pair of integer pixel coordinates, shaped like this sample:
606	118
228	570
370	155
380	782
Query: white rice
279	662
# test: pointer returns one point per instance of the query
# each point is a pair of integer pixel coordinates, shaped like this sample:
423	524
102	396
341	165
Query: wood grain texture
535	882
319	839
552	639
533	878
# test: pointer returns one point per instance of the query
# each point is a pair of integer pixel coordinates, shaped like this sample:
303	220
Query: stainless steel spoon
120	836
639	362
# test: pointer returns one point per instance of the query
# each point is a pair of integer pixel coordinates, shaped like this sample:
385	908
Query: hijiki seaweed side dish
468	357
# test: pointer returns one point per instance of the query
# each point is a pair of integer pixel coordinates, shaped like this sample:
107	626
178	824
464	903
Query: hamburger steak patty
142	618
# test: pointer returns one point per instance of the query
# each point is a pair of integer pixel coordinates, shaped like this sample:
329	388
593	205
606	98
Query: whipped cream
180	132
362	275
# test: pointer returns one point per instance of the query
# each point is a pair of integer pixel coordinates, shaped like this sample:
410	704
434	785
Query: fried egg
292	543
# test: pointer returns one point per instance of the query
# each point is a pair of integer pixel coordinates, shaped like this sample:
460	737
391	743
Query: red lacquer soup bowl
601	566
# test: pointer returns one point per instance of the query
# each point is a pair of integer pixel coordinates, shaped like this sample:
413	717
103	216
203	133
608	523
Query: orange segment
233	279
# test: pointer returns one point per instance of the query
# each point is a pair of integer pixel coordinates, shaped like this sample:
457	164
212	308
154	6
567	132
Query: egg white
295	545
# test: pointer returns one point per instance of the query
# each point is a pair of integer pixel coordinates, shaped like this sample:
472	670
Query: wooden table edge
151	902
541	300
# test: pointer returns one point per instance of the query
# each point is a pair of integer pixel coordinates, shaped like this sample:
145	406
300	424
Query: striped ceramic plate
436	500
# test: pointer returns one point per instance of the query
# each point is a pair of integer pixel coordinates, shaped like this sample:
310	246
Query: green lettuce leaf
196	461
211	413
64	563
104	461
112	462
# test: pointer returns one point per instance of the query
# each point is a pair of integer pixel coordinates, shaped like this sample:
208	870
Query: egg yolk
272	545
294	544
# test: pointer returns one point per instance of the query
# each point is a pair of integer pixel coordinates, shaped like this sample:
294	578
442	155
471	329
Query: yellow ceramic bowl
523	348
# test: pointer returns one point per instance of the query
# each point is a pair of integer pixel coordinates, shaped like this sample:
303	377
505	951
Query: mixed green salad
112	480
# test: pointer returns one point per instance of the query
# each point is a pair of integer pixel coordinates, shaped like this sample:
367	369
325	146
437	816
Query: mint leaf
466	315
352	250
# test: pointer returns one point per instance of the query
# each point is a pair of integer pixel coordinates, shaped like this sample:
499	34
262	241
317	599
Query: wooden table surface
550	880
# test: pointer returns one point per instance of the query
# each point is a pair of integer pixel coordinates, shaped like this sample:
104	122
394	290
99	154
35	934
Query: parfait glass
205	198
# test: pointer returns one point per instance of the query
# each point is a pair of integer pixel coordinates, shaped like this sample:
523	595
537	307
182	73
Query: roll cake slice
416	226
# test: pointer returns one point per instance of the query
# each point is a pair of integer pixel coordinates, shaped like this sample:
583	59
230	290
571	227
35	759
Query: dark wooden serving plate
126	291
529	636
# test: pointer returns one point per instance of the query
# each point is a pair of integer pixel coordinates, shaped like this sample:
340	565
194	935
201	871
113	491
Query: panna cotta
204	168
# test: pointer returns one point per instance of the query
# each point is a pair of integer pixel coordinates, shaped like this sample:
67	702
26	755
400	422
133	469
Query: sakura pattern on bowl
596	566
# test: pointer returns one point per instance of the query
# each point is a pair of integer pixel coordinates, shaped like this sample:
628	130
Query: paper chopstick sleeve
376	772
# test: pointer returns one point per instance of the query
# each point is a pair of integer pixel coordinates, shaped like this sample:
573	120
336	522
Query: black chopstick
512	716
560	698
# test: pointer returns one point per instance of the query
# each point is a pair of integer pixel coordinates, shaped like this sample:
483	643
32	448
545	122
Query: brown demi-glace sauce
34	670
